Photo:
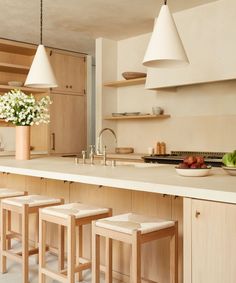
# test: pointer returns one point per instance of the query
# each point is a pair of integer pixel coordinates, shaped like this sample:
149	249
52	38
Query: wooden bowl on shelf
124	150
133	75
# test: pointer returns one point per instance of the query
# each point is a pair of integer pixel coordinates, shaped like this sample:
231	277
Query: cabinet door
213	242
76	74
70	72
68	124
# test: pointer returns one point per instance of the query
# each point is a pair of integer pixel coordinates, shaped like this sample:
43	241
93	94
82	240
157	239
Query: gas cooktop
175	157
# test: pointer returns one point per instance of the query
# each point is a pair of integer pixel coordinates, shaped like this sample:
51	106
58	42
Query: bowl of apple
193	166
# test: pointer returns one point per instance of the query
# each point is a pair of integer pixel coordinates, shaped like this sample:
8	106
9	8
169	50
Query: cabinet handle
70	86
53	141
197	214
67	86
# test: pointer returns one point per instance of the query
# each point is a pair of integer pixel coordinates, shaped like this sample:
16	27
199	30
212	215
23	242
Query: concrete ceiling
74	24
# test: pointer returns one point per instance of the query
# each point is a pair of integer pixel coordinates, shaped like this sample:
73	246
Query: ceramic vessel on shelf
15	83
230	170
156	110
133	75
199	172
22	142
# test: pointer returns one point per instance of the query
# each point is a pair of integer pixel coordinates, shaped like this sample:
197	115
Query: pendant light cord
165	3
41	21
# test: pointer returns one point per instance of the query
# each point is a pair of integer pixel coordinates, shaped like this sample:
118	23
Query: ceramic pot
22	142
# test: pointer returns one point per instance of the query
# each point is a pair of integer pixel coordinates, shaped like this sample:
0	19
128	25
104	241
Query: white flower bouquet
24	110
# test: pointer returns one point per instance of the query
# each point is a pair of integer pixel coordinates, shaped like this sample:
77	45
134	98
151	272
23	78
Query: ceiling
74	24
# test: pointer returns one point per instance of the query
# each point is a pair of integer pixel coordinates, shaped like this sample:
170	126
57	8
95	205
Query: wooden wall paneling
187	223
177	214
213	242
3	180
35	185
155	255
55	189
16	182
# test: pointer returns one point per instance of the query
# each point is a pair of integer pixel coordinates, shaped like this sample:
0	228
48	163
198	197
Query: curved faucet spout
99	138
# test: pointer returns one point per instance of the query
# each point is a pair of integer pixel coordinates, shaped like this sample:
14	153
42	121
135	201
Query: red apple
191	160
200	159
183	166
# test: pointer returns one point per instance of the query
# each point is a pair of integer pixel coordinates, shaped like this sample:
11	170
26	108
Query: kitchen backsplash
7	138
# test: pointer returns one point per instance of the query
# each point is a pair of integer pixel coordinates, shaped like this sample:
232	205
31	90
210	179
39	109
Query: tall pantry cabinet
68	110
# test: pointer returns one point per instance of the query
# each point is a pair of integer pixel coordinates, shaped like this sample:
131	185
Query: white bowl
199	172
15	83
230	170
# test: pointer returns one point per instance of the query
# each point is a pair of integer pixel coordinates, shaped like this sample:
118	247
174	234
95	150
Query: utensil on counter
133	75
124	150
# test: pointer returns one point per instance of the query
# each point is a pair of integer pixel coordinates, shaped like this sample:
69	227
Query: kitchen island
206	205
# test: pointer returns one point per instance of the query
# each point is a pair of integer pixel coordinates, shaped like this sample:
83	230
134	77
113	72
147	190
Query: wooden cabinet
68	124
70	72
210	242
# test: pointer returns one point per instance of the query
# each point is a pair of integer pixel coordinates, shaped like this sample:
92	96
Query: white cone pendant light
165	47
41	74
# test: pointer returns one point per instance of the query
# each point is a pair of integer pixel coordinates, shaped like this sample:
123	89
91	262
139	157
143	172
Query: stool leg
36	237
25	244
61	247
9	228
71	249
174	256
95	255
79	249
135	275
3	240
42	249
108	273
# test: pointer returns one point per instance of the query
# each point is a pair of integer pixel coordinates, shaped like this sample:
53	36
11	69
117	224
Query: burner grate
205	154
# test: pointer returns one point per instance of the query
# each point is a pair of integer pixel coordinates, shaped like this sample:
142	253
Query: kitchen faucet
99	139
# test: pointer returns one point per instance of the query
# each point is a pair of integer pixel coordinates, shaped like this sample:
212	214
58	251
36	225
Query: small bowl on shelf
189	172
116	114
133	75
15	83
230	170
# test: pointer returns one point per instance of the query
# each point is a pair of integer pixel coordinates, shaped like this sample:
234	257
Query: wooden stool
24	206
135	230
9	193
70	216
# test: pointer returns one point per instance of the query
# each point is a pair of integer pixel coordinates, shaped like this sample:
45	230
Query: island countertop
163	179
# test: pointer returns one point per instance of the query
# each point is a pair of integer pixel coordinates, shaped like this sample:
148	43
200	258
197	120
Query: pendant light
41	74
165	48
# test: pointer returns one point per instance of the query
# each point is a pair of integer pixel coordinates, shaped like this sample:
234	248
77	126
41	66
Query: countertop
141	177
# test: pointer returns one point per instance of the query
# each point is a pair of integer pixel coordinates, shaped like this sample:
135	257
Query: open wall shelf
13	68
126	82
6	88
137	117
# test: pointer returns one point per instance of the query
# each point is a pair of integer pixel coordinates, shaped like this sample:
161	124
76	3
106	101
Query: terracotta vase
22	142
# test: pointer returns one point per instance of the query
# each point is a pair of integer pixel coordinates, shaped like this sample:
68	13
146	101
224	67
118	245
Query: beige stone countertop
218	186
